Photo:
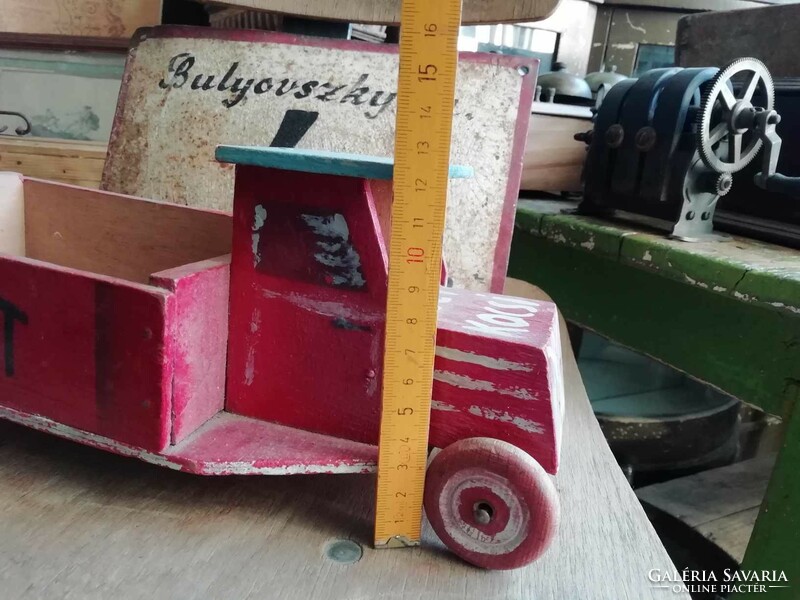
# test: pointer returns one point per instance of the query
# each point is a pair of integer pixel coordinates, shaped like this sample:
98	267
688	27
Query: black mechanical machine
668	144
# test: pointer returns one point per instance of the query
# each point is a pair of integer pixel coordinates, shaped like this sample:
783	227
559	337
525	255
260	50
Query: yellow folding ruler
426	91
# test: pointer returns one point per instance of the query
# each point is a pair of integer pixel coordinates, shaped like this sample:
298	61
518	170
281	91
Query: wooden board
88	351
86	343
70	512
281	90
388	11
12	214
753	284
73	162
721	503
110	18
201	340
716	38
553	159
95	231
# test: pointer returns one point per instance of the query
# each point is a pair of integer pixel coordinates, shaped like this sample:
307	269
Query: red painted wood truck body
250	345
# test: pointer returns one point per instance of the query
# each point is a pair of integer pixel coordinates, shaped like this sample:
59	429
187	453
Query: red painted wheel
491	503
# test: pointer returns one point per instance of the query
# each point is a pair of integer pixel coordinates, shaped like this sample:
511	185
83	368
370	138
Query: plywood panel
109	234
93	18
73	162
553	159
90	352
201	339
12	214
388	11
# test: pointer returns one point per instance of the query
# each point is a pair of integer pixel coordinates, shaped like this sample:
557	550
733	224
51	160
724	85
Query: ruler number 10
415	255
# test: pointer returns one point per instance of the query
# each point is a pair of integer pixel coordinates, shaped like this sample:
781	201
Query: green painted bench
727	313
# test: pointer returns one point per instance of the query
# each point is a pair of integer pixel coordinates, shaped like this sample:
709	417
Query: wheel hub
483	512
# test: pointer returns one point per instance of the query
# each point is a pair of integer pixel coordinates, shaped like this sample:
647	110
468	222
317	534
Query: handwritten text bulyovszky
182	73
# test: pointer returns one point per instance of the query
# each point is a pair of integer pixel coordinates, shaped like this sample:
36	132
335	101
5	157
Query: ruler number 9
430	29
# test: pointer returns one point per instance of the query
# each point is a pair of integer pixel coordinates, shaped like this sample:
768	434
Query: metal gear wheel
724	183
726	116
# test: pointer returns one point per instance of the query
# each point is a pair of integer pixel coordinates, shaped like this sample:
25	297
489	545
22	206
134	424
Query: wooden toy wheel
491	503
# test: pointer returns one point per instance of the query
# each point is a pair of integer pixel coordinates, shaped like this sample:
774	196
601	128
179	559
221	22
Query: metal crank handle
767	178
780	184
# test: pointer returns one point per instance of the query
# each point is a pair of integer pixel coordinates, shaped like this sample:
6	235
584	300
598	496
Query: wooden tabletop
81	523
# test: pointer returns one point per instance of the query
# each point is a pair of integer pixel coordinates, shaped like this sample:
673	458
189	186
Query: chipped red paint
139	369
306	334
201	338
297	334
95	353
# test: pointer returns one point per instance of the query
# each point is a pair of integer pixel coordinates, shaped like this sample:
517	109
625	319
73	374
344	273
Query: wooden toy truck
254	345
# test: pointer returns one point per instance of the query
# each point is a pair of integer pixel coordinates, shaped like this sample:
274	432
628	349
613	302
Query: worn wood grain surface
80	523
388	11
721	503
67	161
111	18
96	231
553	159
716	38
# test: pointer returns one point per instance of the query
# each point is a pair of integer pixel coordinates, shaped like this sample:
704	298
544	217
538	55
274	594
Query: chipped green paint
776	537
746	349
589	234
746	270
527	219
705	272
725	313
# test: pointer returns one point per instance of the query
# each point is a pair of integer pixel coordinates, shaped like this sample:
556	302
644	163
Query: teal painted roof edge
316	161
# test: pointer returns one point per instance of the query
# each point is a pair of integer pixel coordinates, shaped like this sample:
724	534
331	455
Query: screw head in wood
345	552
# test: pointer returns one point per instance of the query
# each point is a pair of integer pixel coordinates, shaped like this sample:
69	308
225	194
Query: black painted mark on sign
293	127
10	314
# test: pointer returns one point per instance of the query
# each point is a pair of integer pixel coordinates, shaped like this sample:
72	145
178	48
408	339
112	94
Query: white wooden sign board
186	90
